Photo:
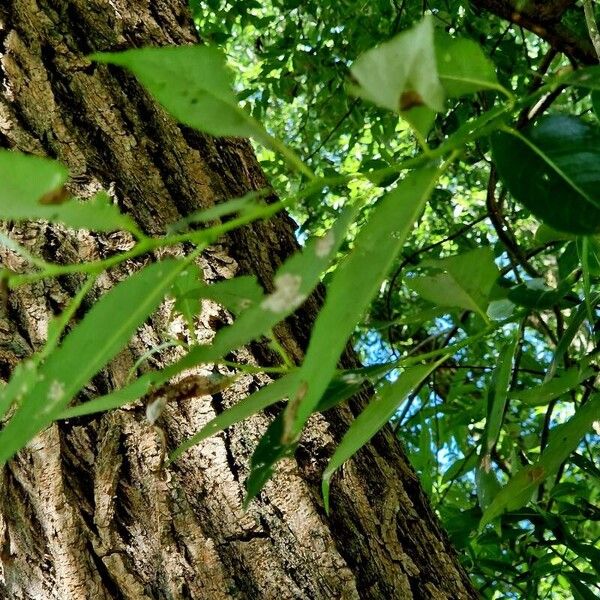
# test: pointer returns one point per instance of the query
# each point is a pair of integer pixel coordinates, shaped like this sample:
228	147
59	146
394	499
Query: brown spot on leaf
536	474
410	99
57	196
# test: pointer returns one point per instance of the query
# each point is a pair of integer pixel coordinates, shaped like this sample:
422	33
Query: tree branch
543	19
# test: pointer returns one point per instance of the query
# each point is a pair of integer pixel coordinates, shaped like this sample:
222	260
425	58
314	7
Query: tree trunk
87	510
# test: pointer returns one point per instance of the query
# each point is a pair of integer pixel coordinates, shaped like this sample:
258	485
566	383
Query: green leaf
466	281
401	73
535	294
580	589
576	320
593	255
500	310
236	295
22	381
293	283
270	449
102	333
553	169
378	412
96	214
546	234
586	465
353	285
563	440
487	486
588	77
32	188
462	66
303	270
497	396
421	118
192	83
250	405
185	303
460	467
21	191
134	391
554	388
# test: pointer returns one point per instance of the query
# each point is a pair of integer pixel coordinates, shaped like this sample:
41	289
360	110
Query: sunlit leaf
236	295
497	395
305	267
487	486
465	280
462	66
373	418
270	449
554	388
352	287
402	73
192	83
32	188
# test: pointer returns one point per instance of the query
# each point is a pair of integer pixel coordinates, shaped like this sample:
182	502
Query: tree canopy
442	160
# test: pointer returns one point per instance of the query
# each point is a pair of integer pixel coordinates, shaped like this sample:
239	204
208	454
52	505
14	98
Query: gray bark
88	510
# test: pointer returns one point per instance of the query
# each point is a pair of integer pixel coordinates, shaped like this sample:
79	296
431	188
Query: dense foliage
445	169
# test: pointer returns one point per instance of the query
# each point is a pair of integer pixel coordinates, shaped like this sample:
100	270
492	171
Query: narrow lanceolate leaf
553	169
463	281
294	281
487	485
462	66
339	390
252	404
401	74
554	388
103	332
270	449
192	83
564	439
33	188
373	418
353	286
498	395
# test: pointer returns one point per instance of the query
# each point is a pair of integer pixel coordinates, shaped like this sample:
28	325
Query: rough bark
87	510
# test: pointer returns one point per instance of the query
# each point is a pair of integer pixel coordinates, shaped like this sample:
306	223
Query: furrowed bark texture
87	510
